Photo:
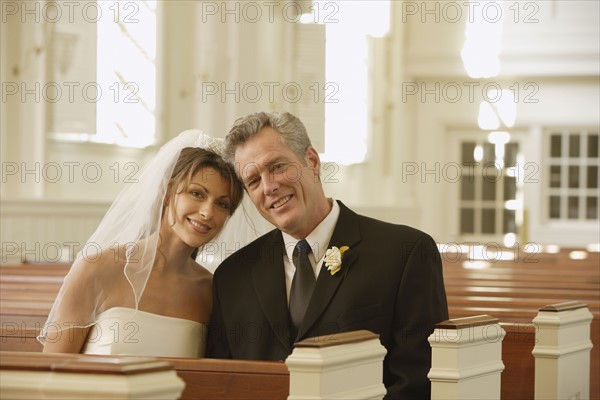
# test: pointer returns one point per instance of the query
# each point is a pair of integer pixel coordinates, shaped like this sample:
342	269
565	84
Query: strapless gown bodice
125	331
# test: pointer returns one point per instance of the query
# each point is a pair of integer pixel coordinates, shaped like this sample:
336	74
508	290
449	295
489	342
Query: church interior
476	122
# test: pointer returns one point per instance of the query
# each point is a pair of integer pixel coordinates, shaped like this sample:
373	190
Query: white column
341	366
562	351
466	358
23	110
175	69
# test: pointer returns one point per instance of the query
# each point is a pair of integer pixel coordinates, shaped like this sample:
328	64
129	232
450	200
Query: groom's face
285	188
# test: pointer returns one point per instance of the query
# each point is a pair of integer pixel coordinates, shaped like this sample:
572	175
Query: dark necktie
303	285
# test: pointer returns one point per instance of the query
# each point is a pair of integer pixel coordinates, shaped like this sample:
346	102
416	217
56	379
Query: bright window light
476	264
478	153
512	205
593	247
483	35
126	53
505	106
499	137
487	118
510	239
347	121
578	255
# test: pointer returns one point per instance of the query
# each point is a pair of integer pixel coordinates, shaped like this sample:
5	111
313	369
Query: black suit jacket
390	283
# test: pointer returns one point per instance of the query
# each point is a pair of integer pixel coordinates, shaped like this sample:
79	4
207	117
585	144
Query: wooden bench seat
517	380
233	379
567	294
517	284
516	303
204	378
511	291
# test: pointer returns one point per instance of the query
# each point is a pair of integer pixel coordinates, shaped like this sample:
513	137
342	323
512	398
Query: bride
135	287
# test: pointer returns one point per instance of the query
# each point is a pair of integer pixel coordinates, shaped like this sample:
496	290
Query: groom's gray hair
291	132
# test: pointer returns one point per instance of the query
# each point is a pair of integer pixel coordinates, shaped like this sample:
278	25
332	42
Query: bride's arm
74	309
70	340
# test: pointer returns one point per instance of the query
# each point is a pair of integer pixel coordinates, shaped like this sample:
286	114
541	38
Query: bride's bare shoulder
100	261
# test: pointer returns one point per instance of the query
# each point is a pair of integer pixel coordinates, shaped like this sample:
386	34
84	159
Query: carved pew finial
466	358
55	376
562	351
340	366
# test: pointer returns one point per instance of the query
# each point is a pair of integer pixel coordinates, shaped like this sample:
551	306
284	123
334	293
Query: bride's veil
126	240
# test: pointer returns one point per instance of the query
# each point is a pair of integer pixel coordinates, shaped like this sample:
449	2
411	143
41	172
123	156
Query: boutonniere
333	258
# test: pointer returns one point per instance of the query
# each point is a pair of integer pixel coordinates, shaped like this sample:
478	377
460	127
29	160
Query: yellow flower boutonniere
333	258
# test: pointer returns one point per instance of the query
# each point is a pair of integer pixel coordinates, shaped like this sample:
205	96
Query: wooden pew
232	379
517	380
361	352
27	292
19	338
58	376
511	291
204	378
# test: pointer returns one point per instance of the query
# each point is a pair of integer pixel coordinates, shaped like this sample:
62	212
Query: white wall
549	55
558	54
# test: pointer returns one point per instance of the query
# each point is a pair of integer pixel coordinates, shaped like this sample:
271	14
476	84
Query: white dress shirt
318	240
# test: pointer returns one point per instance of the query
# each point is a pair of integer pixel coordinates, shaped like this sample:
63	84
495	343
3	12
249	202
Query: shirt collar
319	238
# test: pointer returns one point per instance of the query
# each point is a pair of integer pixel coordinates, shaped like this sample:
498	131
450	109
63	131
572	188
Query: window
102	63
572	166
490	200
349	35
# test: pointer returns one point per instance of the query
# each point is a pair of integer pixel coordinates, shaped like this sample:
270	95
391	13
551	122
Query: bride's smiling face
199	210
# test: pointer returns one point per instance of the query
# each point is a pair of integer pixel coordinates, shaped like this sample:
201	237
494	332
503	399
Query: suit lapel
346	233
268	278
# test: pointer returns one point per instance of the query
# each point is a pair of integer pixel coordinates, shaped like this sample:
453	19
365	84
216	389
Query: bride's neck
172	253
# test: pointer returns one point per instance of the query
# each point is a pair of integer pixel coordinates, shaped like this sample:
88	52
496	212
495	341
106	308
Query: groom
325	269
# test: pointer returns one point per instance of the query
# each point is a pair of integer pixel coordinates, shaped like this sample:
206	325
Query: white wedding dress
125	331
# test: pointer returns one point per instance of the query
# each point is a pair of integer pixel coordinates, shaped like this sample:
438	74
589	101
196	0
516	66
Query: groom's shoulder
251	253
389	227
383	227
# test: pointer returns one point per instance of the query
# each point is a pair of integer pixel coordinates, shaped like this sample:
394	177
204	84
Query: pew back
512	291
